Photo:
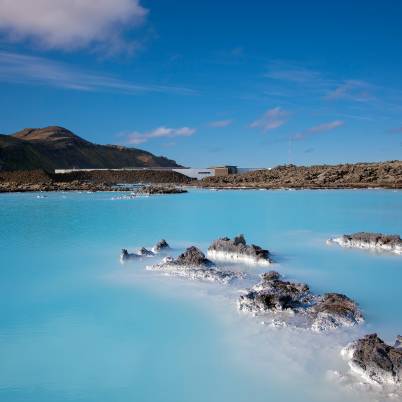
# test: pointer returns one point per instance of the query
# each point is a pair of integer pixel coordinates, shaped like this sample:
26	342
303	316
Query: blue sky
255	83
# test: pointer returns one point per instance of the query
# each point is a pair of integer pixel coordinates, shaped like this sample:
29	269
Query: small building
195	173
224	170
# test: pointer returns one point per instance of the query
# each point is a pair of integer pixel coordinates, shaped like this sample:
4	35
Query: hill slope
58	148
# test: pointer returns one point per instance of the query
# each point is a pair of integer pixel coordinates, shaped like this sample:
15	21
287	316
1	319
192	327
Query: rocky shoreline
360	175
387	175
159	190
107	180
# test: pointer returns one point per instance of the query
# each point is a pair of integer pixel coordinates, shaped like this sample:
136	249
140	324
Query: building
224	170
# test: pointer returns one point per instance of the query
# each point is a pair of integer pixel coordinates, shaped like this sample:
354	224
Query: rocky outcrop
126	256
238	250
334	310
13	187
94	180
372	241
159	190
145	252
320	313
193	264
193	257
162	245
358	175
398	342
273	294
374	360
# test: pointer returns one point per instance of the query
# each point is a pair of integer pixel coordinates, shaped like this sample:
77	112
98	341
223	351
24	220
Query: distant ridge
56	147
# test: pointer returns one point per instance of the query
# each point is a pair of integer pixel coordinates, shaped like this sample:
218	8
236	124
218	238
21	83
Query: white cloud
160	132
70	24
24	69
220	123
271	119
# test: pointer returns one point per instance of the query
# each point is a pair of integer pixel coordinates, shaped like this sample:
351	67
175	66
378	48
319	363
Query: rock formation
159	190
162	245
193	264
238	250
373	241
273	294
335	310
358	175
126	256
145	252
374	360
320	313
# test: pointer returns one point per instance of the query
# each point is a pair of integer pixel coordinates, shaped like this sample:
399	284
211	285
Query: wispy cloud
318	83
67	24
321	128
351	89
32	70
160	132
290	72
271	119
220	123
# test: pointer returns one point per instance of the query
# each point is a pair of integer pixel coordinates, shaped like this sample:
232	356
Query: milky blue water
76	325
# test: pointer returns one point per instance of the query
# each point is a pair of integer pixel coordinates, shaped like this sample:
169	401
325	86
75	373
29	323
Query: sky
253	84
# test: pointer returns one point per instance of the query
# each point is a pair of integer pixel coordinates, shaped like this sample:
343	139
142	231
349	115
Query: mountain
55	147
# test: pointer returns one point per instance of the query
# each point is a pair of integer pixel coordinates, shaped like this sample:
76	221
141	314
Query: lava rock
274	294
193	257
335	310
374	241
359	175
193	264
238	250
319	313
155	190
145	252
374	360
162	245
126	256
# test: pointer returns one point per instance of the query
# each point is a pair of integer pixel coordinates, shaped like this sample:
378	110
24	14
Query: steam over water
76	325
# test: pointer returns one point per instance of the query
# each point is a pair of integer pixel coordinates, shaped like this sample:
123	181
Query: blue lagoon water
76	325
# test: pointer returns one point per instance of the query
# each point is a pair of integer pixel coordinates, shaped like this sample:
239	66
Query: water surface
78	326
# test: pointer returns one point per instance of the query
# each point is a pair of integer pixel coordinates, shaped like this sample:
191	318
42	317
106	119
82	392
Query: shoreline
94	188
381	175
